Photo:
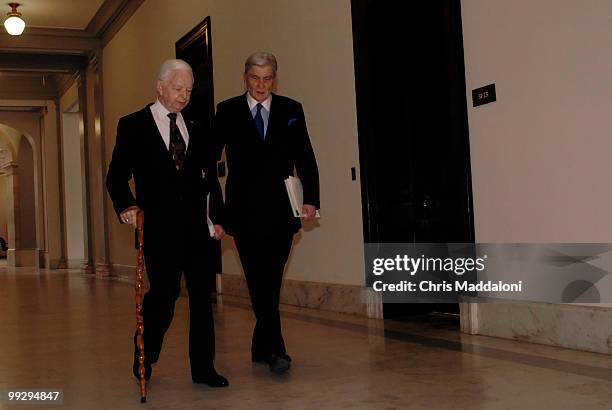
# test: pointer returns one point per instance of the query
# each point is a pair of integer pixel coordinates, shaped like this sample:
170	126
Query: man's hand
308	212
219	232
129	216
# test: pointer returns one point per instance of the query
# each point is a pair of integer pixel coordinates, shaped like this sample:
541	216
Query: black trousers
263	258
164	275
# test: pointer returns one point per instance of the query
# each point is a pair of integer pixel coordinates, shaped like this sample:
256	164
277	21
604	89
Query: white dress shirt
160	115
265	111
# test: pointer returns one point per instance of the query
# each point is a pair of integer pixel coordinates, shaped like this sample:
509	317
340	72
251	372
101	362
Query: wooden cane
139	318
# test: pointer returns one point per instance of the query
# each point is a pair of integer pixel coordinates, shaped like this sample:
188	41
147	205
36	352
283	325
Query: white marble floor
66	330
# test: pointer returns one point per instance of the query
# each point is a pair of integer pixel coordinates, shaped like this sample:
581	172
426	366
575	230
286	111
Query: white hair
261	59
169	66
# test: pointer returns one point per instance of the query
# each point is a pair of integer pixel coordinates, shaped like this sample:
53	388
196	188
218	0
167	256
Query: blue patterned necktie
259	123
177	144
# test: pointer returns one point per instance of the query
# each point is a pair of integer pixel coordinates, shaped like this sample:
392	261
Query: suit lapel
157	142
274	119
192	140
248	118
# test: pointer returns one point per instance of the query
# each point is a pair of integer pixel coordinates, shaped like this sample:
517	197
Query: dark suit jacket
174	205
255	194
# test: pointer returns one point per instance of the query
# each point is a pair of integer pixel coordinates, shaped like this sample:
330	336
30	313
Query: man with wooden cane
174	173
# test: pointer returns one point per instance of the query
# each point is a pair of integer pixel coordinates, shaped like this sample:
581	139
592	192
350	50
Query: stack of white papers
296	196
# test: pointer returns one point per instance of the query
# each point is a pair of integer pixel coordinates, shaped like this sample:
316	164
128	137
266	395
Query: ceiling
61	36
70	14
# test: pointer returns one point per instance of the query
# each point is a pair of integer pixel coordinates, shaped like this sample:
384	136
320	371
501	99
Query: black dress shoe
279	364
266	358
260	359
212	378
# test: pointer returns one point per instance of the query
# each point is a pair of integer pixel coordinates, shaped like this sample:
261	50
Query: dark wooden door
412	121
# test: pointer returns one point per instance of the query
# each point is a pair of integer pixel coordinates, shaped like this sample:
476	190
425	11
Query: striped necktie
177	145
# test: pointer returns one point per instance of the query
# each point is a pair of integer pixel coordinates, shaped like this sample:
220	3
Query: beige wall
73	189
540	154
72	169
313	43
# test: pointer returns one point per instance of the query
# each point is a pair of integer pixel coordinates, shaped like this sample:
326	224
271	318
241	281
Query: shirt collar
253	102
163	111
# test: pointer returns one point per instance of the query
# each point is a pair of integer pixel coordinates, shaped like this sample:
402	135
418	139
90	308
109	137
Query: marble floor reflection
66	330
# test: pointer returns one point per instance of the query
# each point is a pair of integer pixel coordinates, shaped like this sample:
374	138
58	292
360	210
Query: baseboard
57	264
103	269
76	263
581	327
23	257
123	272
315	295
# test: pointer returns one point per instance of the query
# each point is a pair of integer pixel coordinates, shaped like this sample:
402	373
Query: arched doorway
19	218
6	161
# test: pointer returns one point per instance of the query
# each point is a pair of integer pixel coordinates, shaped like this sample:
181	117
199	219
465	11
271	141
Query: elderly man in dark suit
173	167
265	140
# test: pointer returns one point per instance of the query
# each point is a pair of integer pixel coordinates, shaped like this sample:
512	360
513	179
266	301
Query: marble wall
314	295
581	327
